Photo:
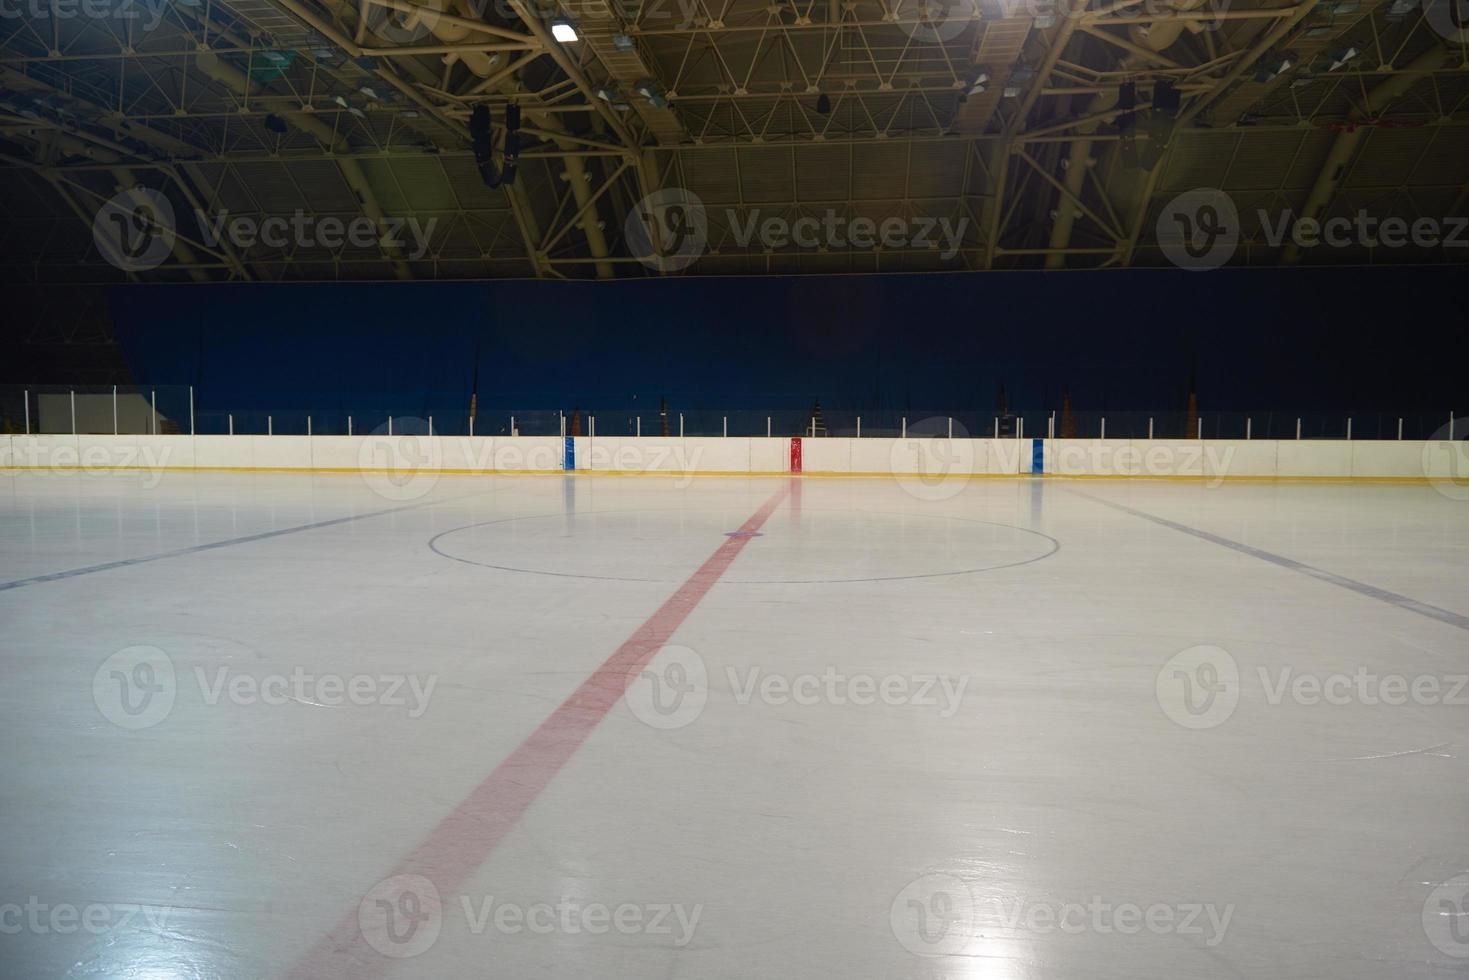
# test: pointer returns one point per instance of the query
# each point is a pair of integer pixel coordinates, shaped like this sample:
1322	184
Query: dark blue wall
1301	338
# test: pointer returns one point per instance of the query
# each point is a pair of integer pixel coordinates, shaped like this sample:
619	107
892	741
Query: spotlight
1273	67
563	30
823	104
649	90
1341	55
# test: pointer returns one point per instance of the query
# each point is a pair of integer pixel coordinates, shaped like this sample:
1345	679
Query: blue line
211	546
1361	588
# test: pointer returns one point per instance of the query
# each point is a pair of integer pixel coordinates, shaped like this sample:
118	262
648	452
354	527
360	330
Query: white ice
1056	811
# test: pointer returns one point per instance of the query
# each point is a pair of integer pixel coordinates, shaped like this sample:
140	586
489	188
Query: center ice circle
823	546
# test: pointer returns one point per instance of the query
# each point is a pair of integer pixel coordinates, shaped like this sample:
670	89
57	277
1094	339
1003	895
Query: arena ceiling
983	134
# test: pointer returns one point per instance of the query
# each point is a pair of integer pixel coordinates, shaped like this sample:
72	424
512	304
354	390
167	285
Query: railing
174	409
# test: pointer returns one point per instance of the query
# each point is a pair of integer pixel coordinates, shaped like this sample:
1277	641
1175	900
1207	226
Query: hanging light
823	104
563	30
1341	55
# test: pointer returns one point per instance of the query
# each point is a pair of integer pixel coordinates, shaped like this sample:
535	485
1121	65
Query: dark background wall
1391	338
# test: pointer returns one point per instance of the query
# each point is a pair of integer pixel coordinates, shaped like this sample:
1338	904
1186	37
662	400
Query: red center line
463	840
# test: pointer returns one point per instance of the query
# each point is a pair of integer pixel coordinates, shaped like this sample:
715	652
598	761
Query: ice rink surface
305	726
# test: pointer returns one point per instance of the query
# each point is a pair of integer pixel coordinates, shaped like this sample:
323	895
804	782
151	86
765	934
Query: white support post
73	413
680	425
390	425
114	409
726	425
1150	427
232	423
1051	426
1104	426
859	427
640	426
269	426
1400	430
155	413
471	426
512	425
1349	428
191	410
1451	427
1201	427
767	426
951	427
308	425
1249	427
905	426
1020	427
1298	430
349	425
591	426
27	396
430	426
